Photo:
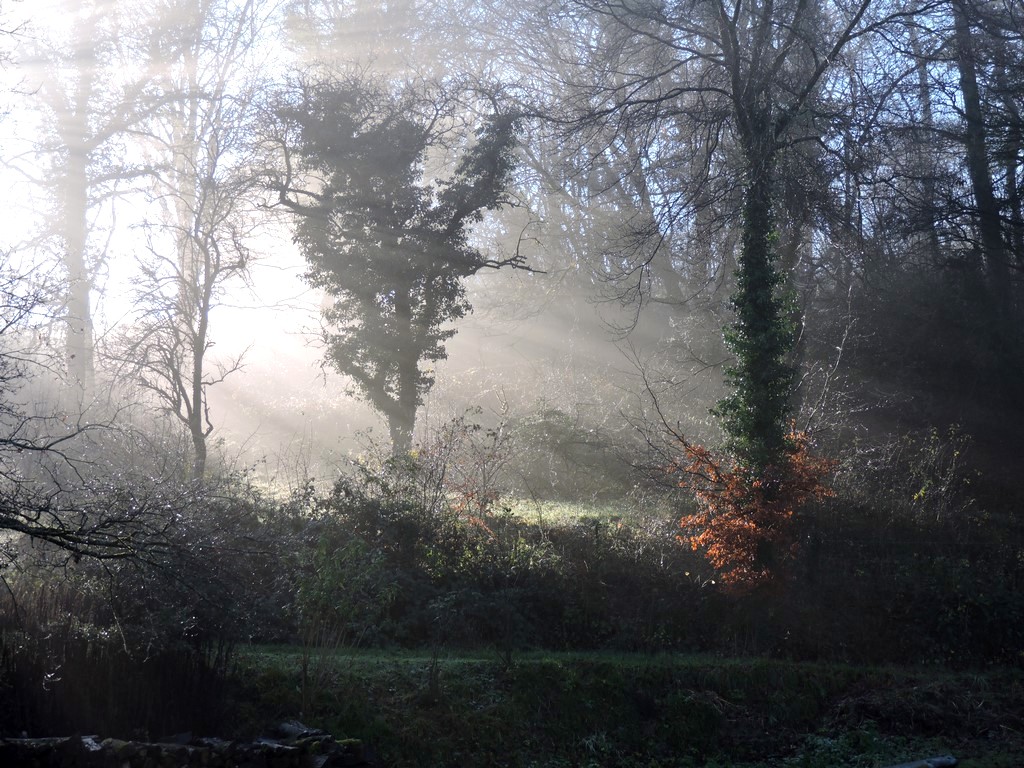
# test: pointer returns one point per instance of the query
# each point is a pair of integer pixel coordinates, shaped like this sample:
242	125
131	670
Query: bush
143	644
466	571
746	520
562	456
901	565
67	668
905	565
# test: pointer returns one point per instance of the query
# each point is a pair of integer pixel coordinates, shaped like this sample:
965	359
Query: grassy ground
546	513
552	710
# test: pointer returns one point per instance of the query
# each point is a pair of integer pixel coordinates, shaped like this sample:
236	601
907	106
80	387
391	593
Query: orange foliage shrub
745	521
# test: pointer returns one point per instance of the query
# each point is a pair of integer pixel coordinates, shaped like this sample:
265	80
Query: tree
333	32
746	527
94	88
203	195
53	489
749	76
994	247
713	119
390	249
729	111
55	493
936	192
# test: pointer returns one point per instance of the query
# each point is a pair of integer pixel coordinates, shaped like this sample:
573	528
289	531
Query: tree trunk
1001	332
402	416
1011	163
755	414
1013	194
926	157
400	426
760	319
197	419
193	303
976	150
199	455
79	341
71	105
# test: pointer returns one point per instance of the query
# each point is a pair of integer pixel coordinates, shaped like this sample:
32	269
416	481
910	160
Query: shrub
466	571
745	521
68	668
143	644
559	455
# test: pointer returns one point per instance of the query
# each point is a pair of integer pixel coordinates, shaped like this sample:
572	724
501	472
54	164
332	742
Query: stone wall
291	746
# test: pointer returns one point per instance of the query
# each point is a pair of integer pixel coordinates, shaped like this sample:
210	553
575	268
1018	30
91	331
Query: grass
547	710
547	513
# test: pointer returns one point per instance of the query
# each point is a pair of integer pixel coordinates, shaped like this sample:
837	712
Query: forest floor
548	710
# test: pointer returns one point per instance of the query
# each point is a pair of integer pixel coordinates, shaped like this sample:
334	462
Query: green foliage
755	415
560	455
343	592
468	571
424	550
143	643
341	597
390	247
467	567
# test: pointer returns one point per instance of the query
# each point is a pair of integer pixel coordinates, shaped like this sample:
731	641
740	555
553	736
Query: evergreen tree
390	248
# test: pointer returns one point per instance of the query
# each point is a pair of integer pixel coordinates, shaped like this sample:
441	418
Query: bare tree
94	83
53	489
199	237
746	76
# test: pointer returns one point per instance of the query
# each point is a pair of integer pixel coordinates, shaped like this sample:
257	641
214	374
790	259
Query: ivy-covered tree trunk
401	423
754	415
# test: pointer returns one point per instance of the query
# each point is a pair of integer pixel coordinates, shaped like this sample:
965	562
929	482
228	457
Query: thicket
140	645
902	564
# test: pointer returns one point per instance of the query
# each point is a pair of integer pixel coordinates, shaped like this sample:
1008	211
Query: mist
568	326
283	402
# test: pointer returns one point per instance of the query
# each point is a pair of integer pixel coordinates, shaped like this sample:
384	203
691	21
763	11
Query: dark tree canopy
389	247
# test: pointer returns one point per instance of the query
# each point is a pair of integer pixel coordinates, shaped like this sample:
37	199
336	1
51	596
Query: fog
477	327
613	309
549	338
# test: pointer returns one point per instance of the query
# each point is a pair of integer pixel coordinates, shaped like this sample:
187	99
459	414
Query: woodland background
556	325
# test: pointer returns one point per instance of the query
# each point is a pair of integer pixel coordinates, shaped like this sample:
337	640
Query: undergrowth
549	710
